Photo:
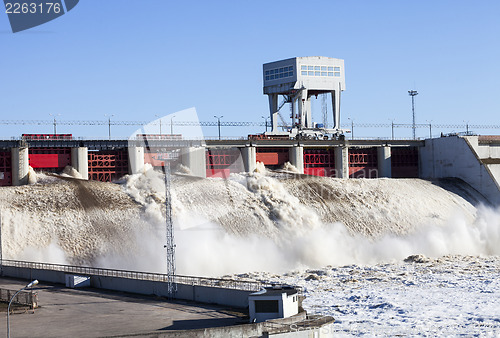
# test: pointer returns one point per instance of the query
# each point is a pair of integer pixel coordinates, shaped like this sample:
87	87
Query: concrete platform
65	312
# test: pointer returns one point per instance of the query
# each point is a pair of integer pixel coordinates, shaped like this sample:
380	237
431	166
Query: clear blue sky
135	59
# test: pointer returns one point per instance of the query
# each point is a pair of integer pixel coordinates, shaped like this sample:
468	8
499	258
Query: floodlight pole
413	93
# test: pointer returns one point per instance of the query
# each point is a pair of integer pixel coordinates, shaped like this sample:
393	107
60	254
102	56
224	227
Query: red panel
221	158
272	156
152	158
47	136
315	171
363	172
363	163
268	158
5	168
49	158
224	173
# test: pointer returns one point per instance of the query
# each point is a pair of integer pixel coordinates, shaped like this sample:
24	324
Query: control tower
299	78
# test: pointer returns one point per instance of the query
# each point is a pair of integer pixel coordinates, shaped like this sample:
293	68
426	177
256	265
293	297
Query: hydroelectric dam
473	159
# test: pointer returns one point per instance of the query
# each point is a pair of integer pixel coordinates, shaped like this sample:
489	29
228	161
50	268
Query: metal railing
28	298
149	276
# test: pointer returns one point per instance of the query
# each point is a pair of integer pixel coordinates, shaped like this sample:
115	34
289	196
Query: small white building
299	78
272	303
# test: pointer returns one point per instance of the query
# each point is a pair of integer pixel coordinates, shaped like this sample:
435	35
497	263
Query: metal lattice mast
413	93
170	245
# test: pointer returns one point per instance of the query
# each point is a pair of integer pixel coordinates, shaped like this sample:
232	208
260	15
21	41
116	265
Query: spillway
260	221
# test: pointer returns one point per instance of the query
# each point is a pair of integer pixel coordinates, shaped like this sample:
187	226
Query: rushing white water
344	241
258	222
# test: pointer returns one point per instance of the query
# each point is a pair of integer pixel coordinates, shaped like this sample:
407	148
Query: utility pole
109	124
55	122
352	128
265	119
218	122
413	93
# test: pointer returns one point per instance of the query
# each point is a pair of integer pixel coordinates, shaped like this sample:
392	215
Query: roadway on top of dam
121	144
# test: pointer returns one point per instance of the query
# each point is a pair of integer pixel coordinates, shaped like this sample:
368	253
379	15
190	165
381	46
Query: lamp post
218	122
109	124
172	125
55	122
413	93
33	283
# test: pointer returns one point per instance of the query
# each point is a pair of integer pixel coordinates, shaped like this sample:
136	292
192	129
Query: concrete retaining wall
202	294
459	157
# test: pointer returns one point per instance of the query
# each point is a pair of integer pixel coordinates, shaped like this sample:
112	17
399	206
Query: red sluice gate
404	162
363	163
107	165
221	162
49	159
319	162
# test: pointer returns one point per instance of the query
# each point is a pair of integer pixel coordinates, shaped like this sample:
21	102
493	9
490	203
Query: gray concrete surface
67	312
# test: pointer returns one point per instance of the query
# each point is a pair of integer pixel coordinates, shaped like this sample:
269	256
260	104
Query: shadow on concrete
202	323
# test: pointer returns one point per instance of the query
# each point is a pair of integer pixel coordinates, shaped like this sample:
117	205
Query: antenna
413	93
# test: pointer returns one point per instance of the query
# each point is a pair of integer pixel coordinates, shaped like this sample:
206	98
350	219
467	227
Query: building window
310	73
266	306
310	68
330	69
303	67
317	68
323	73
330	73
337	74
323	68
337	69
304	73
317	73
279	73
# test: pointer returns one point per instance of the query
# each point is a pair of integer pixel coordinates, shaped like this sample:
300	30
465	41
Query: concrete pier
20	166
79	161
342	161
384	161
249	155
296	156
194	159
136	160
